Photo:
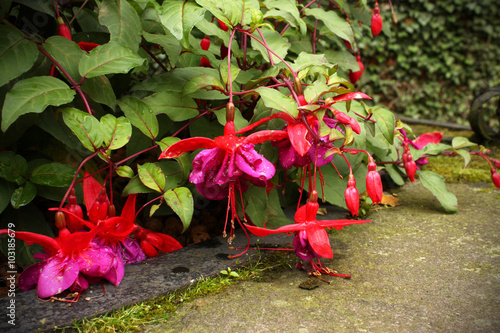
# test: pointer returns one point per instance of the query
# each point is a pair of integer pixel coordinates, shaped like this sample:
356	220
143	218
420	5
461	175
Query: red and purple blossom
421	141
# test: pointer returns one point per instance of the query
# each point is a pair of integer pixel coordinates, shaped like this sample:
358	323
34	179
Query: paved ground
414	267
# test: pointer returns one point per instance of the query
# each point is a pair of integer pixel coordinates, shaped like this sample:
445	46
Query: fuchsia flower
311	239
352	196
495	177
422	141
374	182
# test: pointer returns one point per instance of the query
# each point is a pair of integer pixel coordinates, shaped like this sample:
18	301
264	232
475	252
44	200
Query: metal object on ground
484	115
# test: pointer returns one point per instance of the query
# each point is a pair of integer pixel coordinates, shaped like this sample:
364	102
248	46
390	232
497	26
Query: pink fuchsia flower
151	242
421	141
374	182
65	260
352	196
311	240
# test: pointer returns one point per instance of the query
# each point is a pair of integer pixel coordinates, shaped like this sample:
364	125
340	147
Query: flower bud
302	100
352	196
376	22
60	220
410	166
63	29
72	222
222	25
99	210
495	177
355	76
374	183
205	43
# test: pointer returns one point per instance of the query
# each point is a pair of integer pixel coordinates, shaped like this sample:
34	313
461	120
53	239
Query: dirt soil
414	269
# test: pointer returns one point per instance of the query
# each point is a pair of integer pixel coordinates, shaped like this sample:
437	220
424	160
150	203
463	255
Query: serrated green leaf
23	195
116	131
140	115
202	81
53	174
274	41
67	53
168	42
272	98
33	95
110	58
100	90
17	54
13	167
181	201
85	126
122	21
176	107
435	183
125	171
385	123
459	142
179	17
336	24
152	176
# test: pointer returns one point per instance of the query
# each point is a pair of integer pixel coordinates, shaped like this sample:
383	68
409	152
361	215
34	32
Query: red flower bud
222	25
355	76
204	62
346	120
87	47
496	162
205	43
374	183
72	222
352	196
302	100
495	177
63	29
348	44
99	210
376	22
410	166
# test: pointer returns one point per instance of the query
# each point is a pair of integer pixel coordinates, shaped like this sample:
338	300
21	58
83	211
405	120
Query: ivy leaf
122	21
110	58
13	167
67	53
85	126
274	41
100	90
179	17
140	115
53	174
152	176
385	123
333	22
116	131
23	195
33	95
168	42
17	54
272	98
176	107
181	201
202	81
435	183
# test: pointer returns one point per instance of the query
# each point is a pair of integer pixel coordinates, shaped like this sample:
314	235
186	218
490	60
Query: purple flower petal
29	277
115	274
80	283
253	163
302	248
131	251
59	273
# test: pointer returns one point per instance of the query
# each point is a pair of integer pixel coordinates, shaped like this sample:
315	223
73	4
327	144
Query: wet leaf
181	201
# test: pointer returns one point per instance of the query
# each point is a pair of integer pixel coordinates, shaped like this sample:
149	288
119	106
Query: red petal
297	134
319	241
128	211
262	232
339	224
349	96
91	189
281	115
426	138
183	146
47	242
80	240
269	135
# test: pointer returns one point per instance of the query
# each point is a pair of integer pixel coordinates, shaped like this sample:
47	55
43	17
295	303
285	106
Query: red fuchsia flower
352	196
68	262
421	141
222	25
355	76
377	22
72	223
205	44
374	182
151	242
495	177
410	165
87	46
311	240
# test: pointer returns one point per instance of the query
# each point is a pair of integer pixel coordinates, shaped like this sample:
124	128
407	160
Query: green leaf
67	53
85	126
239	121
333	22
306	60
434	149
13	167
53	174
110	58
275	42
272	98
125	171
140	115
202	81
168	42
152	176
116	131
314	91
28	218
435	183
459	142
466	155
122	21
135	185
100	90
179	17
17	54
343	58
23	195
181	201
224	73
263	209
286	9
6	191
33	95
232	12
176	107
385	123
